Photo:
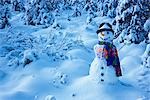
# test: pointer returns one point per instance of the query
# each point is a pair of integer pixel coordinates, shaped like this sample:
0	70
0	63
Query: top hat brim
104	29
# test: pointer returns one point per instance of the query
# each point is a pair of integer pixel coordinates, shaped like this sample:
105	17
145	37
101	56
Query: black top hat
104	27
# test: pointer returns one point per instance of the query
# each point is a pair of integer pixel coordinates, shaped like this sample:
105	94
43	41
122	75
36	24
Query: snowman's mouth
106	38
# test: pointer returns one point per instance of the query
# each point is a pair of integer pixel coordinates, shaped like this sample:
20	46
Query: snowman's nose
102	34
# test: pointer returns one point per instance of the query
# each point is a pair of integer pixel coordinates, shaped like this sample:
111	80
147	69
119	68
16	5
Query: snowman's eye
107	32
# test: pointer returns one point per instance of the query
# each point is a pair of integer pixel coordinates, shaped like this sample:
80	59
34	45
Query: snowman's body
105	68
99	70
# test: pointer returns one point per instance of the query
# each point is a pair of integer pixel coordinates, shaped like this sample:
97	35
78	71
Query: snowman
105	67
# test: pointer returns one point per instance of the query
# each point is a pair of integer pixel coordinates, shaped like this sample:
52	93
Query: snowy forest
46	49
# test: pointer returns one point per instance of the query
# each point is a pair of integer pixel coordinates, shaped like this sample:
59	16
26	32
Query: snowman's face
106	36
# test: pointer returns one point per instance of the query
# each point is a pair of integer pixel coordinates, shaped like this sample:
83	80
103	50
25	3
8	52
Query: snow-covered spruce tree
143	79
104	9
39	12
100	8
5	1
77	6
91	7
112	5
76	13
18	5
4	14
130	19
67	5
147	28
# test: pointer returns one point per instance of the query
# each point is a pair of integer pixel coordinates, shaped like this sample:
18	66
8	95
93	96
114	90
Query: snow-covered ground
69	79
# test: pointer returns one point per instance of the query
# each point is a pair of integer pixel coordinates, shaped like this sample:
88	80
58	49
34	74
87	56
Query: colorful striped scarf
111	56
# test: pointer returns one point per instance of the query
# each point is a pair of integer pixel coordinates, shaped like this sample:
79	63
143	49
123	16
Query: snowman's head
105	32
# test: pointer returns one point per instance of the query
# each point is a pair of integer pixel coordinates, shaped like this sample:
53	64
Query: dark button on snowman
105	67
